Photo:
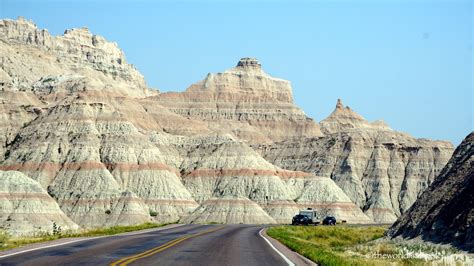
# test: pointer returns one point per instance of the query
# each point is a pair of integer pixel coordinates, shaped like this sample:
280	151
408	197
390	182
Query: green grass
329	245
8	242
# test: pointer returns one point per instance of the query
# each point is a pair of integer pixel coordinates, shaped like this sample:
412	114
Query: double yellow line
153	251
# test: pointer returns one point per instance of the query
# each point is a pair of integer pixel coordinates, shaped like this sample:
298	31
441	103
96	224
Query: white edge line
79	240
290	263
50	246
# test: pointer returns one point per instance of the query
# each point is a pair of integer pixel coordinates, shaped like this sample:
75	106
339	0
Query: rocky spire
340	105
249	62
344	118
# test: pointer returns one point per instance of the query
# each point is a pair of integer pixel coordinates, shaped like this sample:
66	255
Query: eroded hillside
82	124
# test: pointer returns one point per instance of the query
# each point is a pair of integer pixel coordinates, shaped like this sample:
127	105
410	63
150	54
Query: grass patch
8	242
331	245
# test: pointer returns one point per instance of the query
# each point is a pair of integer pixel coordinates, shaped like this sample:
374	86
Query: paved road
183	245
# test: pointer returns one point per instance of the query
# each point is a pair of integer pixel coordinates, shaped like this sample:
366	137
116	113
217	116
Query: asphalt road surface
182	245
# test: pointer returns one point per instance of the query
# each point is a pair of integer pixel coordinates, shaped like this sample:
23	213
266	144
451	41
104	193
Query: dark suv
329	220
300	219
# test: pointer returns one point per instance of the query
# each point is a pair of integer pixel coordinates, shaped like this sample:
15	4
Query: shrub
56	229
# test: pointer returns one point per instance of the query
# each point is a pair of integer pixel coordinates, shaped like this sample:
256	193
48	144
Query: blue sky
406	62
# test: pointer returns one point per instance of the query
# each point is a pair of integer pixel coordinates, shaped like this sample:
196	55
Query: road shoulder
66	241
296	258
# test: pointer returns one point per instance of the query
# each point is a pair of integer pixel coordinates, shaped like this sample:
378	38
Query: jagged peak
249	66
340	106
21	19
26	31
11	27
249	62
77	47
83	30
344	118
344	111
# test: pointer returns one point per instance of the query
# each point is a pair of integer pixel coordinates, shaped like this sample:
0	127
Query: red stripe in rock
53	168
339	205
24	195
127	199
380	210
245	172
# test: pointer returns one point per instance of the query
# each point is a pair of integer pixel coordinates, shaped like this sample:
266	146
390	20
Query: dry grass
338	245
8	242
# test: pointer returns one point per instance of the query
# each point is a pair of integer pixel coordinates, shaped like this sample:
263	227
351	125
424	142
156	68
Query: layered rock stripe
381	170
26	208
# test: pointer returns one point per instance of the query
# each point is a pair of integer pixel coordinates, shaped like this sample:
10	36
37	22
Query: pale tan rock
26	208
92	162
106	209
16	109
225	167
326	198
243	101
29	55
82	122
381	170
229	210
343	118
219	166
282	210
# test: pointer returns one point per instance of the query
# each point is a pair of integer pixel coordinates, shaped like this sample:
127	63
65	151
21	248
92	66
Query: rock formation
30	57
381	170
80	121
343	118
246	102
219	167
26	208
96	165
324	196
72	120
229	210
444	213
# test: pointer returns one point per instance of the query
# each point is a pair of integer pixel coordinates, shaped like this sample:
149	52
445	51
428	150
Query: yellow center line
144	253
153	251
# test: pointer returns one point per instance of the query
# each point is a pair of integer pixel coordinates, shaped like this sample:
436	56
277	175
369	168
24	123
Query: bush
56	229
153	213
108	212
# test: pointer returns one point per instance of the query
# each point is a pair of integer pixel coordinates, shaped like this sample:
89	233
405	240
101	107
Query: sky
409	63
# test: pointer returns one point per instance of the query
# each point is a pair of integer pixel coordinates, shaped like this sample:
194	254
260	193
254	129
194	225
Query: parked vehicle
305	217
329	220
300	220
311	214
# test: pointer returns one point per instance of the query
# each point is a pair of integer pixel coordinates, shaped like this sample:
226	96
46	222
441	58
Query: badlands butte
84	142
